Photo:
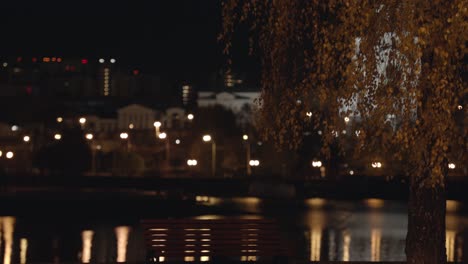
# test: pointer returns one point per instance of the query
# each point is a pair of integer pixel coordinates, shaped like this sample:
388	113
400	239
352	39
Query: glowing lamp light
316	164
163	135
9	155
254	163
190	116
102	60
346	119
58	136
59	119
207	138
460	107
451	166
89	136
309	114
157	124
123	135
177	141
376	165
82	120
14	128
131	126
192	162
26	138
245	137
351	172
1	153
112	60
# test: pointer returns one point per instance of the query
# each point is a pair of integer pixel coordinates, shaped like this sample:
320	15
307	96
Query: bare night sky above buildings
173	38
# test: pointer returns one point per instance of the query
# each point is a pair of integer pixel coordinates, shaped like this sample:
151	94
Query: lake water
365	230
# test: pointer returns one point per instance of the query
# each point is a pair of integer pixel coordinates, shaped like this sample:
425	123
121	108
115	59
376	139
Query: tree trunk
425	241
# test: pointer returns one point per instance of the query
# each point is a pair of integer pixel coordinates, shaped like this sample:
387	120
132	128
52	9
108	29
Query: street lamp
26	138
9	155
192	162
376	165
1	153
254	163
57	136
245	137
163	135
59	119
207	138
89	136
123	135
316	164
82	120
190	117
451	166
157	125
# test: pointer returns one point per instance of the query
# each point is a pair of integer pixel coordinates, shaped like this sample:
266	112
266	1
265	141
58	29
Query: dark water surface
362	230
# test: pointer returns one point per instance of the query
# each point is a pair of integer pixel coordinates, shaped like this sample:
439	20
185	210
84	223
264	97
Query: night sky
176	37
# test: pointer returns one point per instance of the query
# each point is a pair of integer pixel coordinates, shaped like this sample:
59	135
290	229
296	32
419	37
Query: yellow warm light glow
26	138
189	258
87	238
59	119
453	206
1	153
376	237
375	203
157	124
82	120
346	245
309	114
122	233
190	116
315	243
23	250
316	202
8	226
89	136
245	137
131	126
163	135
450	245
204	258
206	138
123	135
58	136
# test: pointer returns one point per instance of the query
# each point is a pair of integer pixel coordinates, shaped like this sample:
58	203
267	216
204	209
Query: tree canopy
392	72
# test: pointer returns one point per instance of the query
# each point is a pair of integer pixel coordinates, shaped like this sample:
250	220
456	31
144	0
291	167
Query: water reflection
450	244
8	225
122	233
315	243
87	239
346	245
376	237
23	250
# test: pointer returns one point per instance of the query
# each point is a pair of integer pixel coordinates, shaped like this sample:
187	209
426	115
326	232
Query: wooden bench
216	241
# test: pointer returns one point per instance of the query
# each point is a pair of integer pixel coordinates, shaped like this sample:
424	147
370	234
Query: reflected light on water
23	250
87	238
450	244
376	237
122	233
8	225
316	202
209	217
315	243
374	203
346	245
251	204
453	206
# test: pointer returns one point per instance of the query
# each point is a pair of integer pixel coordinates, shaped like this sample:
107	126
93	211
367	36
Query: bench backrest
201	240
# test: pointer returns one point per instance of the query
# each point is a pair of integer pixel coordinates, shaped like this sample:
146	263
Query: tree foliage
396	69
